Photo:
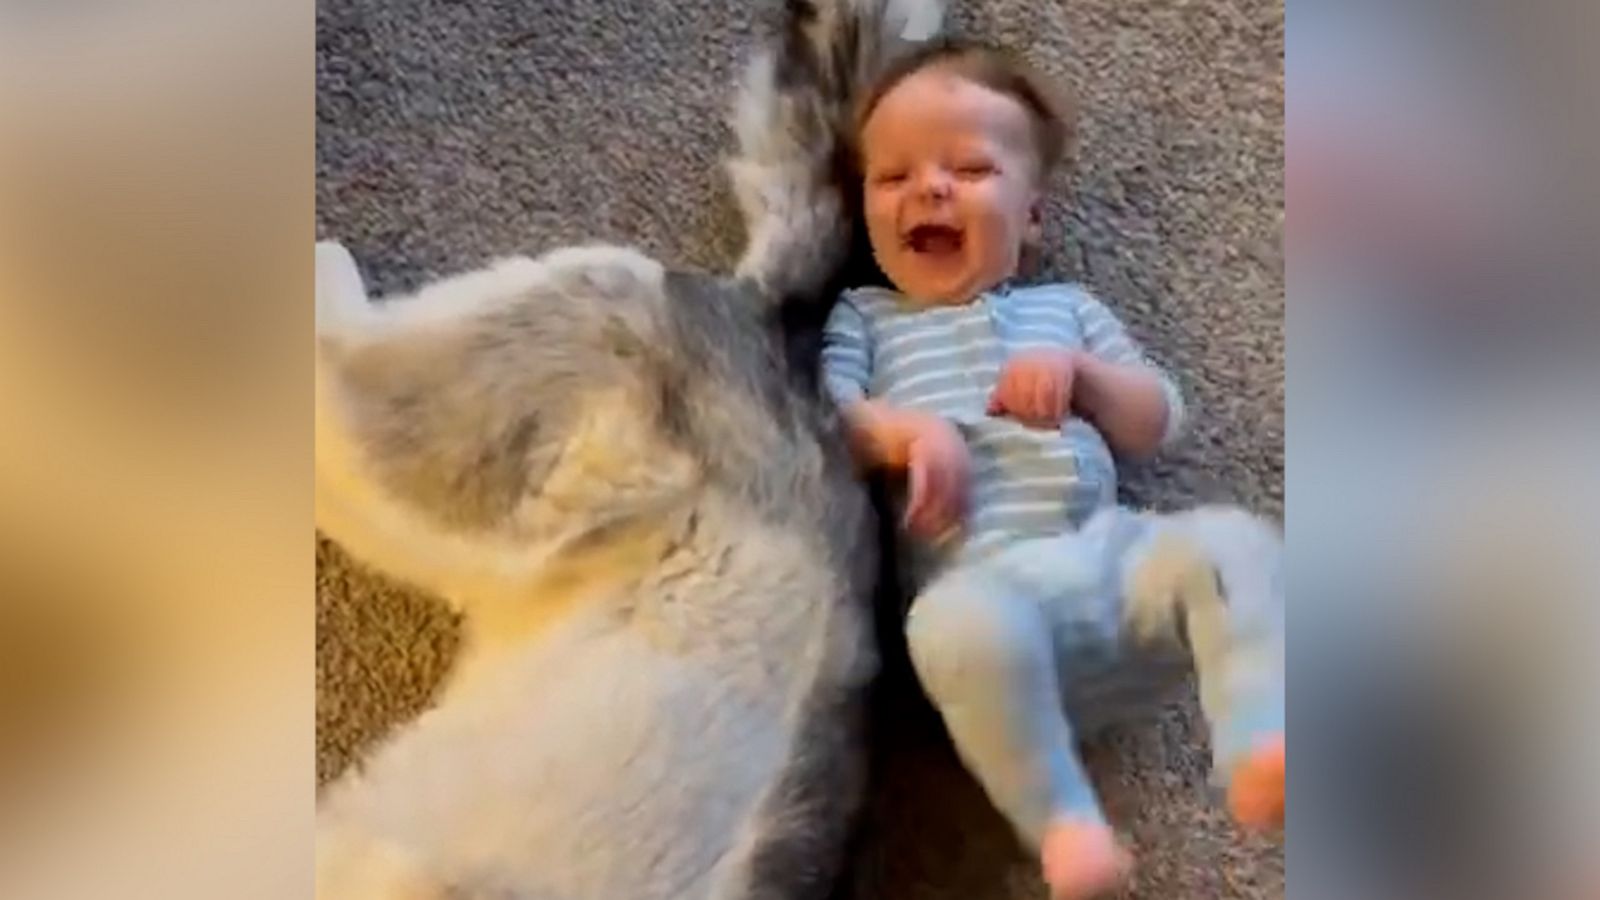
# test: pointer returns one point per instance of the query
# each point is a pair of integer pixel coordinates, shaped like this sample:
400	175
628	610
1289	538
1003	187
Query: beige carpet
450	131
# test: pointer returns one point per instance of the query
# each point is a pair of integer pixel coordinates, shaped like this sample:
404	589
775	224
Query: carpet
451	132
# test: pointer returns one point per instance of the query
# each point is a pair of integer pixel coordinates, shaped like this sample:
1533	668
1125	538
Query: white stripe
964	393
944	373
1003	476
1040	332
1053	452
1003	511
1035	345
914	333
853	368
1041	482
1034	438
873	295
1052	311
1120	350
919	355
997	437
1100	326
841	353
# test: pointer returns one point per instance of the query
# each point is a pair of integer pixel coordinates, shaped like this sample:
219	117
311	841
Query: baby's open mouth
934	240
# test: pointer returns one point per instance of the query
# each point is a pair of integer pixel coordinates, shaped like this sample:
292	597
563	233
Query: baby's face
951	186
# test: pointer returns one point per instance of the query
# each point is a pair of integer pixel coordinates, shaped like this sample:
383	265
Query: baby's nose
934	183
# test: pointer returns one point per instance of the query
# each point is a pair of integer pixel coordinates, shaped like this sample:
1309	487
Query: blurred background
1442	438
156	575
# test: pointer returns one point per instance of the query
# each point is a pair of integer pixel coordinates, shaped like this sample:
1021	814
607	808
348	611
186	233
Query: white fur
914	20
371	524
613	722
664	656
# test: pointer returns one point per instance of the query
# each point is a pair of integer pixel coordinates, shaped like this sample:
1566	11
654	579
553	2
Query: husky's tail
792	120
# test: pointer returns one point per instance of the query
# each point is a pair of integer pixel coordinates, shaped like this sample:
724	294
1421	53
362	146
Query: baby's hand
1035	387
928	449
937	465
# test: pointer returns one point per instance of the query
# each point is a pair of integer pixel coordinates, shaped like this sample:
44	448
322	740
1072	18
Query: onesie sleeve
1106	337
846	353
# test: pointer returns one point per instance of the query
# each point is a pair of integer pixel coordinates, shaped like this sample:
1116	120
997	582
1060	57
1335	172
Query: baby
1005	407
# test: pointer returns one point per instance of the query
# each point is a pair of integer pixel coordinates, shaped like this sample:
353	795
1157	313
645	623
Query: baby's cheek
1001	238
880	229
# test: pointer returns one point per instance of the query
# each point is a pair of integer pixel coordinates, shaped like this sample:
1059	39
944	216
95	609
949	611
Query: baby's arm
846	373
926	447
1134	403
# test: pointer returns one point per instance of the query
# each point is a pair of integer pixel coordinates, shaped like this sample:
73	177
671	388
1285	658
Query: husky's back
662	557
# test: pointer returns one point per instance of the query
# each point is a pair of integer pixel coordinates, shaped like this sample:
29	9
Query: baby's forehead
939	99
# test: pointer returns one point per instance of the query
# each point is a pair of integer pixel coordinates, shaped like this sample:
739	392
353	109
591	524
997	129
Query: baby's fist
1035	387
937	472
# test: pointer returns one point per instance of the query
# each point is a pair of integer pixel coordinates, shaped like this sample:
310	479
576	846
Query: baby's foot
1256	787
1082	859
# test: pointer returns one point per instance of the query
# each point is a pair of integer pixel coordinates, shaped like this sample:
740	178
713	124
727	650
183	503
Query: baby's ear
1033	233
1032	255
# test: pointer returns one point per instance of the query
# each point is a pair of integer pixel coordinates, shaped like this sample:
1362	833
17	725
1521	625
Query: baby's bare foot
1082	859
1256	788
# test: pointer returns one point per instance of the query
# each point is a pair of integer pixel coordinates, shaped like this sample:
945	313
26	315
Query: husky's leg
354	866
475	437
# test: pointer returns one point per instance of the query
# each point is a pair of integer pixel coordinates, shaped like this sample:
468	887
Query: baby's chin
936	281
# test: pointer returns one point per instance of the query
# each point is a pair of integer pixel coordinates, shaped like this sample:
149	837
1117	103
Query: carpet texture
450	132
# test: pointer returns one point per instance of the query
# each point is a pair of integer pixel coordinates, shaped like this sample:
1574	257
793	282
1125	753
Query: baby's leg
1213	577
983	651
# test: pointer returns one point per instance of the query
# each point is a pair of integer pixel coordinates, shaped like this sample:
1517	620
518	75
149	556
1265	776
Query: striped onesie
1025	482
1059	610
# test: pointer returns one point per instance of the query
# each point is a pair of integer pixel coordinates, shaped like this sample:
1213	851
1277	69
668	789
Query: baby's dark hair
1051	108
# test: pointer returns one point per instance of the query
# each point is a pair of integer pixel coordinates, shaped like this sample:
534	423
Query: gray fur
792	122
654	533
749	623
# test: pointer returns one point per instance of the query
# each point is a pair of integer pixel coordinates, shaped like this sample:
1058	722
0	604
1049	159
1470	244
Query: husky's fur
640	506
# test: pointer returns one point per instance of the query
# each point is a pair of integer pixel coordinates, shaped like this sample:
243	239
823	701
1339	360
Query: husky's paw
341	296
352	866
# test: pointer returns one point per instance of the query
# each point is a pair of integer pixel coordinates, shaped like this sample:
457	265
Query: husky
626	480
